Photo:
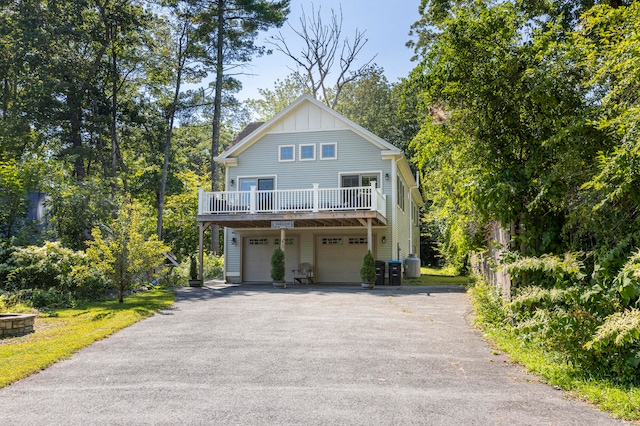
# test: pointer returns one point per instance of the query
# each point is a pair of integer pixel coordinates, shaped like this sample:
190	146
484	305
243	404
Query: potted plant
277	268
368	271
193	273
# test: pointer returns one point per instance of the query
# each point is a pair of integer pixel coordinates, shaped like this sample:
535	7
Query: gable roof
254	131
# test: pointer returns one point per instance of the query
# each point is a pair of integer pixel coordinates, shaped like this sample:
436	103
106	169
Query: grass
58	334
621	401
433	276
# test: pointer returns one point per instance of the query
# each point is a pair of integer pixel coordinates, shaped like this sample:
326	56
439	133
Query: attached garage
339	258
256	255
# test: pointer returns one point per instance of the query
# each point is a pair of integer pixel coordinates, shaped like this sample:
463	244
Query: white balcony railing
315	199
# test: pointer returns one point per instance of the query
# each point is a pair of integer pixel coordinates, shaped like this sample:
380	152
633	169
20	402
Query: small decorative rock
16	324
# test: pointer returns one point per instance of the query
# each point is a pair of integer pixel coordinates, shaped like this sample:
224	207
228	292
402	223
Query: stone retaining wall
16	324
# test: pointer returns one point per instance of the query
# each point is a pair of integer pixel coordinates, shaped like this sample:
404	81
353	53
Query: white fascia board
256	134
226	161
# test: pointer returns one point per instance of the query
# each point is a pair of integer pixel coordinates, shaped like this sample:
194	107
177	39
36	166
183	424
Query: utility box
412	266
380	270
395	272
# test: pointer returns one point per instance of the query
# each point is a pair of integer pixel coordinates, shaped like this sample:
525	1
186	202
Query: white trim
335	150
300	146
266	128
256	177
360	174
293	153
394	211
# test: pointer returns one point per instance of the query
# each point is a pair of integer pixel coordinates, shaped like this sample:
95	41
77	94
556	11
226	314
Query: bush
47	267
212	269
368	269
589	321
488	304
277	265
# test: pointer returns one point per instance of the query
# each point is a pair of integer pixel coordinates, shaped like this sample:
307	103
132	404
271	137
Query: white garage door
339	258
256	257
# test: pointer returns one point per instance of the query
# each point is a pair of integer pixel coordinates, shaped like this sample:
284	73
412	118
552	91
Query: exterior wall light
386	176
232	182
384	239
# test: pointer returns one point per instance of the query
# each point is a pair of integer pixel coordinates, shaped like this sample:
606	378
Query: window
332	241
351	181
286	153
258	241
400	186
328	151
287	241
307	152
357	240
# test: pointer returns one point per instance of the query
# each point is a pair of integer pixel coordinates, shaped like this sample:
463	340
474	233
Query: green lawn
433	276
59	334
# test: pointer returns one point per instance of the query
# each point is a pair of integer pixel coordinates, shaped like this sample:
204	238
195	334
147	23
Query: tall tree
502	113
229	28
325	51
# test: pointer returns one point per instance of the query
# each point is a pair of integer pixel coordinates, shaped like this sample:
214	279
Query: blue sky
387	24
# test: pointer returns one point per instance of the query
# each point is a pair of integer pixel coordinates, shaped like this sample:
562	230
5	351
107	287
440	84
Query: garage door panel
339	258
256	257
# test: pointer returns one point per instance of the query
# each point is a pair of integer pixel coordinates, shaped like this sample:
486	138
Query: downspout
410	222
394	204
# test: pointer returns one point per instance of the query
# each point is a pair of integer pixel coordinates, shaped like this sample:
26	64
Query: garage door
256	257
339	258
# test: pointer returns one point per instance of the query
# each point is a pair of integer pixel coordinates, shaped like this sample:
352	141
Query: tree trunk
170	118
217	107
75	120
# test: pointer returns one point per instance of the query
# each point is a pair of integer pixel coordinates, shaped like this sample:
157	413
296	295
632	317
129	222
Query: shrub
52	266
617	343
488	304
123	252
277	265
193	268
368	269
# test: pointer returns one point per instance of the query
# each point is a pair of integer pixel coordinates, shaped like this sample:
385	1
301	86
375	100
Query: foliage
193	268
61	333
15	180
489	306
213	268
277	265
124	253
50	275
587	320
273	101
368	269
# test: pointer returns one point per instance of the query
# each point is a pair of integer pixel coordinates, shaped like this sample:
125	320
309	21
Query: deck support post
201	227
369	235
283	235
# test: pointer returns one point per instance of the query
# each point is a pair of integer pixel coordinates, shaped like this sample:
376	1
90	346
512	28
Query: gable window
286	153
307	152
328	151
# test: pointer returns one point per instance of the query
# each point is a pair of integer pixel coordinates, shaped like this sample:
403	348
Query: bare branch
324	52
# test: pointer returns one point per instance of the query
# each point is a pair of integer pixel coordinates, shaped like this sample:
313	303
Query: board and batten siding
355	155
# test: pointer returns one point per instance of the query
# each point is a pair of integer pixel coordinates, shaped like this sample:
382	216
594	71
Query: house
320	186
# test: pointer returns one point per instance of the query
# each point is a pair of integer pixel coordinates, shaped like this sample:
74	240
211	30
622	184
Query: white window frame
312	145
335	151
293	153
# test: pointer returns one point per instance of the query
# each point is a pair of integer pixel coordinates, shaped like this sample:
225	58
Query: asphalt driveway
253	355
